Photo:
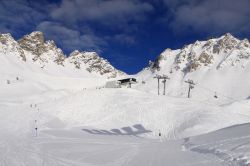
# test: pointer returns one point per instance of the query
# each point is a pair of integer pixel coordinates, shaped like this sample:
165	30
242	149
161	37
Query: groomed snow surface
98	126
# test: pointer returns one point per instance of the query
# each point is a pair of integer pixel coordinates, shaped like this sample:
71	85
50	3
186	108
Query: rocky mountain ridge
218	67
92	63
35	48
213	53
217	52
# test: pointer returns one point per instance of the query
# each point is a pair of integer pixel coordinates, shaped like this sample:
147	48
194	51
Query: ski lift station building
126	82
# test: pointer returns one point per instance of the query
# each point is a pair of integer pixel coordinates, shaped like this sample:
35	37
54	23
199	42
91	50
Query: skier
36	131
36	128
215	95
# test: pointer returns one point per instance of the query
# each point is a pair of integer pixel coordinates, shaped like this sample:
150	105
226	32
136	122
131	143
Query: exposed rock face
205	58
36	45
8	44
227	43
92	62
226	50
33	42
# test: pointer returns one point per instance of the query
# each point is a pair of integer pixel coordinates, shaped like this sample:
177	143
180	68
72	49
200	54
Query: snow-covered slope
117	108
218	66
36	71
80	123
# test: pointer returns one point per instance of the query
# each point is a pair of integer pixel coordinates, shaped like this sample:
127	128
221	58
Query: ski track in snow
221	149
64	144
61	144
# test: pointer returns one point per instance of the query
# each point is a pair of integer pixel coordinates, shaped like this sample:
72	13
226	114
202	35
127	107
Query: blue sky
128	33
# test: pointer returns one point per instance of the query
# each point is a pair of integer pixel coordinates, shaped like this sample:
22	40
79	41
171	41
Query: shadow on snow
136	129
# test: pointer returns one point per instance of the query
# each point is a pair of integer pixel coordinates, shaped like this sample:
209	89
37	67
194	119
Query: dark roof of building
127	80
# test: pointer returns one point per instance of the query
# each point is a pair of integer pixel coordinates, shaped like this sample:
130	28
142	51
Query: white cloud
74	24
213	16
16	16
71	39
112	12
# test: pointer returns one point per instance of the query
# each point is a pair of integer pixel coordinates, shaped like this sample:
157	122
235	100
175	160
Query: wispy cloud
70	38
75	24
18	15
112	12
211	16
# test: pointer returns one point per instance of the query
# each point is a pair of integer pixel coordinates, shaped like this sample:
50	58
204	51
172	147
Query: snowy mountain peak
40	50
228	35
6	36
92	62
218	52
36	49
227	42
32	42
9	46
217	65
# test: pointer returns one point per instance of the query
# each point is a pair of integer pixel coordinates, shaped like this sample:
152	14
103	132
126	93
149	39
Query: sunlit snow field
120	127
81	123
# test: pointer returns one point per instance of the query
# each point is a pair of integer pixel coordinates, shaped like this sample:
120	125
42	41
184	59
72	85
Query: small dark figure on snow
215	95
36	132
36	128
